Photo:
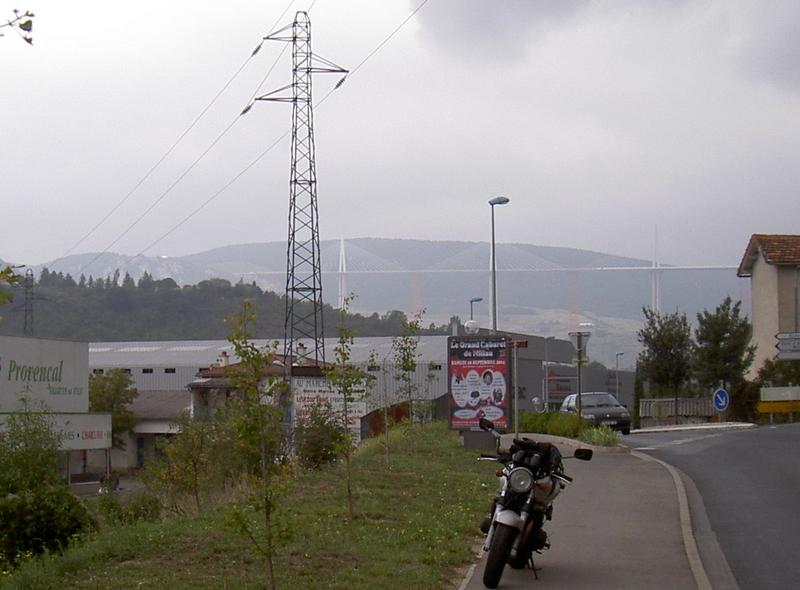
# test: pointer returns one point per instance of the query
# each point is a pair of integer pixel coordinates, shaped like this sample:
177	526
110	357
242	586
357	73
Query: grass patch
600	436
415	524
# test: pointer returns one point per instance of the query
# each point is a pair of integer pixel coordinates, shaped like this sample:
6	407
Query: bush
320	438
534	421
37	511
564	424
39	520
555	423
600	436
139	506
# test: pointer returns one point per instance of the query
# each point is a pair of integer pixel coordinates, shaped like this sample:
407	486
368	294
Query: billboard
478	369
79	431
310	391
50	372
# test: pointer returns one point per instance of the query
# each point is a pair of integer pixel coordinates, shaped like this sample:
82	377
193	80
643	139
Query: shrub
600	436
139	506
37	511
564	424
320	438
555	423
39	520
533	422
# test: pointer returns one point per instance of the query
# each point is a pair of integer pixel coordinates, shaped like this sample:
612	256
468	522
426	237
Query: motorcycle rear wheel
499	551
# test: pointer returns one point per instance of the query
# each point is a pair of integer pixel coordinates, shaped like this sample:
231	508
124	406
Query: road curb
570	442
468	578
689	543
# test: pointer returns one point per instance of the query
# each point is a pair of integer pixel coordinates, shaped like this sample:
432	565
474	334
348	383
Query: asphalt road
616	527
749	481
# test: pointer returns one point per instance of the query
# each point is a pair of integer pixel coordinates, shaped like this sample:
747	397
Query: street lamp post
493	202
580	340
471	301
616	374
546	384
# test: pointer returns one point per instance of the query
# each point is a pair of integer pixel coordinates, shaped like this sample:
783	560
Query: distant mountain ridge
543	289
384	274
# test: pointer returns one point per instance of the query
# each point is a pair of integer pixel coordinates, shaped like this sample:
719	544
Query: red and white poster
479	386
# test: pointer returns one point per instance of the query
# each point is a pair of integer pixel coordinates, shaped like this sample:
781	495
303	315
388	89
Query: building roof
776	249
204	353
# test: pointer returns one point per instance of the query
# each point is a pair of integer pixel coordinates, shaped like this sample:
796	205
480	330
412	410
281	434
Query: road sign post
788	345
721	402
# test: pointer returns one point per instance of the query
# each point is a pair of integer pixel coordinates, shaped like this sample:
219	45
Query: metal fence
658	410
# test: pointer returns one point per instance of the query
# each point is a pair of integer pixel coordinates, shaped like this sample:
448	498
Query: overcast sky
599	120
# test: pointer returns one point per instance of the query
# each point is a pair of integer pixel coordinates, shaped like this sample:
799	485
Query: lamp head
499	201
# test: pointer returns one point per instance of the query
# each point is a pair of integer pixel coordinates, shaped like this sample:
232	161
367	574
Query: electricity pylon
27	328
303	270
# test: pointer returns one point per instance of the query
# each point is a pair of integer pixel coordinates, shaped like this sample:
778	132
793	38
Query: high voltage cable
177	141
285	133
184	174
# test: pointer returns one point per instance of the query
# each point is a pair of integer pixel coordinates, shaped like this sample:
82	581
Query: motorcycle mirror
485	424
584	454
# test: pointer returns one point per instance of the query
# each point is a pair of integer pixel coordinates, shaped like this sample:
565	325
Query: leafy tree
404	351
346	378
95	309
258	422
665	358
7	280
22	23
638	394
196	463
722	353
37	510
112	392
779	373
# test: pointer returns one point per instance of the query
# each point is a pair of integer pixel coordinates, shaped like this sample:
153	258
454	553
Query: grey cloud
491	29
763	39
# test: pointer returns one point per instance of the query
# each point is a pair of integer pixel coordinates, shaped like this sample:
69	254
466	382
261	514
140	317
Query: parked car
600	408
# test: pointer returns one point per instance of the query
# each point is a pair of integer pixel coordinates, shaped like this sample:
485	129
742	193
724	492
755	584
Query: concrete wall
764	289
788	283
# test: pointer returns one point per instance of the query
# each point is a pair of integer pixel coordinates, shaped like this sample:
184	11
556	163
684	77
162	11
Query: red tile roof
776	249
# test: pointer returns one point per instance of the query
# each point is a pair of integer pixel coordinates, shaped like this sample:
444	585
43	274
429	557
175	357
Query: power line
175	143
288	131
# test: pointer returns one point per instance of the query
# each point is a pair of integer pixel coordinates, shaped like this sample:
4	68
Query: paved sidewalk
617	526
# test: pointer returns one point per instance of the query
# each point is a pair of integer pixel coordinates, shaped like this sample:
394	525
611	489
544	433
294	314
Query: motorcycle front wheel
499	551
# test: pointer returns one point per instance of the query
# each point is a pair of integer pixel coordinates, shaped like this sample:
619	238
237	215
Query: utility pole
27	328
303	320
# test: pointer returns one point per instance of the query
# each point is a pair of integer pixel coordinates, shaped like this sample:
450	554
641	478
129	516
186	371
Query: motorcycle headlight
520	480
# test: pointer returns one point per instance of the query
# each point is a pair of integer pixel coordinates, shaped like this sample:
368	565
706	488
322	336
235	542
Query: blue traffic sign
721	400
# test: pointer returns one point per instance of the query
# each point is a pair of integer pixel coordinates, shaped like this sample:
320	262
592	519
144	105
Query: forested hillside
120	308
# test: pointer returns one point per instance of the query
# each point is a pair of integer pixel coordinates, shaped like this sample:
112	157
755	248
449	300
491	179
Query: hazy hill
540	288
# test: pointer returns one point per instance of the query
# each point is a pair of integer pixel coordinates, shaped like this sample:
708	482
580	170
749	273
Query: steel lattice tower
303	321
27	328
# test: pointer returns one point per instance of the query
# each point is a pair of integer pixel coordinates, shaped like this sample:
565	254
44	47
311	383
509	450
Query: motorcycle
532	476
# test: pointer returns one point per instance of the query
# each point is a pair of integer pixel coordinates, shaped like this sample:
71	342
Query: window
126	371
373	368
169	371
97	371
147	371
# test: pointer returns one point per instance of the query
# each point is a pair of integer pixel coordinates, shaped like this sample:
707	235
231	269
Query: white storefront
52	377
